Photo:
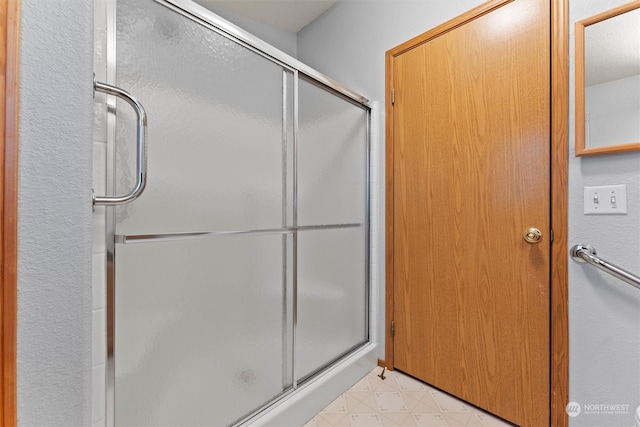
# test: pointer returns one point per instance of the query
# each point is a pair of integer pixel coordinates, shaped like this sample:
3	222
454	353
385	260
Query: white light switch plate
605	200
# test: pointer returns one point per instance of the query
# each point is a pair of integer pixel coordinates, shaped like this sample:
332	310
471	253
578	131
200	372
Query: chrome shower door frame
297	69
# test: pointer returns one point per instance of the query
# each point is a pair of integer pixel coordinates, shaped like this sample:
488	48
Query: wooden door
471	172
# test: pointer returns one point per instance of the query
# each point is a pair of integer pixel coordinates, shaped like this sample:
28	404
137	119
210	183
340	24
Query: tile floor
399	400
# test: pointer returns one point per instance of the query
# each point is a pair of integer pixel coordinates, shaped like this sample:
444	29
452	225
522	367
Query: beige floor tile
410	401
370	401
399	401
363	408
416	395
386	422
337	406
313	422
430	420
362	385
409	422
365	420
343	422
358	395
447	403
460	418
330	419
475	421
406	383
481	419
395	417
421	408
390	401
388	384
352	400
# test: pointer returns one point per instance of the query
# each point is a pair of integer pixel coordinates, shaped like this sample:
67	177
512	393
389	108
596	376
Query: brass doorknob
532	235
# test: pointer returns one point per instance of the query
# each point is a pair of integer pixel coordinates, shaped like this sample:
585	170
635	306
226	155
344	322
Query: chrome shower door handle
141	147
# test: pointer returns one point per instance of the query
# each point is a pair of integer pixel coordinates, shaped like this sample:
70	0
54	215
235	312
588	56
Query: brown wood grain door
471	173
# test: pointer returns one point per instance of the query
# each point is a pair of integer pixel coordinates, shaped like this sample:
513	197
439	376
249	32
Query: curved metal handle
141	148
587	253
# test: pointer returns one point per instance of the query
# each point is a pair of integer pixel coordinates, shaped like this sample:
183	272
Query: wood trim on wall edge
449	25
389	273
9	53
559	212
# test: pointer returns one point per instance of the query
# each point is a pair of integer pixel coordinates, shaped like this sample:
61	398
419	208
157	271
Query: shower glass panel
204	319
332	194
199	329
332	158
331	296
216	119
242	269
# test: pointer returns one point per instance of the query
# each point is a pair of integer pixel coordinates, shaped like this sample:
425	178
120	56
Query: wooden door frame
9	60
559	369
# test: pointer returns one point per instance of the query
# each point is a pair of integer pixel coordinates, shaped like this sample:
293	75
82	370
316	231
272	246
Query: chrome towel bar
141	147
587	253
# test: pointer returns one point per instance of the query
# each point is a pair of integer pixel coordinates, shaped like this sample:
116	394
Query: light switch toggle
605	200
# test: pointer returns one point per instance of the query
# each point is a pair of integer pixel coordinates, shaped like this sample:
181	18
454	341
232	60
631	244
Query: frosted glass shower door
200	330
219	130
203	277
332	244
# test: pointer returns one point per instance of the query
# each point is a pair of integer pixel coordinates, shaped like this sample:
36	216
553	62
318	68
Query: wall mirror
608	81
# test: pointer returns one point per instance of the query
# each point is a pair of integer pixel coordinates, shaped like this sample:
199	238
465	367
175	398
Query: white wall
348	43
54	213
604	313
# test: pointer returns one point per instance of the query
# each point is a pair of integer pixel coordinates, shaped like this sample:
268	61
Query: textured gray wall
604	313
54	208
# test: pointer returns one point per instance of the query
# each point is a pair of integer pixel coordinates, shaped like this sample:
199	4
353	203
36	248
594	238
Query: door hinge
393	96
393	328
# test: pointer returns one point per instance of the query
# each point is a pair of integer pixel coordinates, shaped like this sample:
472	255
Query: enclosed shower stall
238	286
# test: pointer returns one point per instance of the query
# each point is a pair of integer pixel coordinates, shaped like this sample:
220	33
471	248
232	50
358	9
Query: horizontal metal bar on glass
203	15
146	238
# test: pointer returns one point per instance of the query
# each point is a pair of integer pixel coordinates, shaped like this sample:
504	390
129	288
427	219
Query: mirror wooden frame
9	98
581	148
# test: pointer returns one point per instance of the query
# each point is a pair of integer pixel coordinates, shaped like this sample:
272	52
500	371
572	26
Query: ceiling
289	15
